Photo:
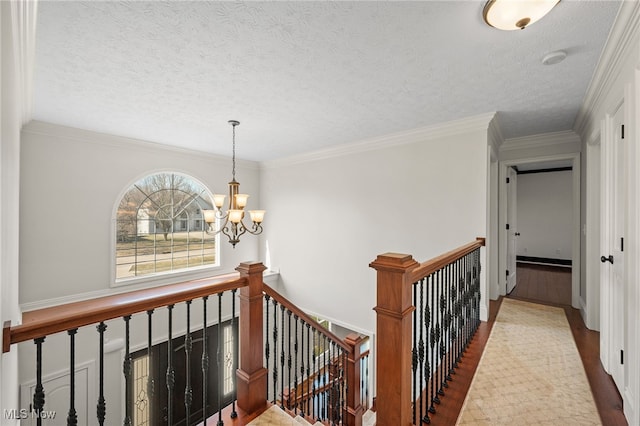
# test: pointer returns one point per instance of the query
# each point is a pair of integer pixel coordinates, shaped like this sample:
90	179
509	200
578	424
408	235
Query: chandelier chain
233	171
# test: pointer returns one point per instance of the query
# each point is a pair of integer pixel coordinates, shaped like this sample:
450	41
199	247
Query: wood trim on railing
43	322
439	262
306	318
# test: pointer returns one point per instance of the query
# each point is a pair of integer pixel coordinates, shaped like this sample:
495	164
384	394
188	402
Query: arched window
160	227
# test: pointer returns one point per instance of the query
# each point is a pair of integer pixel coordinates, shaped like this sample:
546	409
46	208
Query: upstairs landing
274	416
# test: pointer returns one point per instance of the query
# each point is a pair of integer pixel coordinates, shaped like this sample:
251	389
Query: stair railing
312	372
336	363
426	316
217	293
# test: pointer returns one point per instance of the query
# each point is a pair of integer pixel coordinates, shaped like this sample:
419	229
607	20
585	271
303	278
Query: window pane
160	227
141	399
228	360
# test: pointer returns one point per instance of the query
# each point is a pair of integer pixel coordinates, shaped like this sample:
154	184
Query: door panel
56	388
618	231
512	220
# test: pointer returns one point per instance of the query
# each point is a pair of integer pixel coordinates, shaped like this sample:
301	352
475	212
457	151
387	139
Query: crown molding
74	134
451	128
566	137
495	133
623	34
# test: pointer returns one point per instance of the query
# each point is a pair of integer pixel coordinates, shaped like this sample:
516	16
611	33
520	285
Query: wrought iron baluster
282	356
302	414
478	293
234	413
309	349
150	381
414	354
454	314
440	333
314	407
219	359
205	360
267	349
332	378
295	367
468	300
275	350
289	360
447	324
38	395
101	408
170	377
341	384
72	417
325	372
188	391
432	342
126	369
366	382
461	281
421	352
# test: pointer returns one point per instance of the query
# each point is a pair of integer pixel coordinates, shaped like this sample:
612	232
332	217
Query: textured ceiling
302	76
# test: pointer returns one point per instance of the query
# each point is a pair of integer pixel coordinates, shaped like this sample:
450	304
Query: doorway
531	240
150	396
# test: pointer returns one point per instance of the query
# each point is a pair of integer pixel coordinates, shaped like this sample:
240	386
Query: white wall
71	182
617	81
545	214
331	215
17	25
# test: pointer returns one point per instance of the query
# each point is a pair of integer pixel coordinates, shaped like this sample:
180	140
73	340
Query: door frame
502	218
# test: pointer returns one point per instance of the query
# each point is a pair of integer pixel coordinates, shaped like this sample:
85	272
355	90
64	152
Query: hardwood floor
550	292
605	393
541	283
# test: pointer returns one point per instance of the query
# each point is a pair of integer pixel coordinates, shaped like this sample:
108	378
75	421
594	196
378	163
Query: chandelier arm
256	228
223	226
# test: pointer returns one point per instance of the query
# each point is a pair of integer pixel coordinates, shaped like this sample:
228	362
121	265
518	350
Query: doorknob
517	234
606	259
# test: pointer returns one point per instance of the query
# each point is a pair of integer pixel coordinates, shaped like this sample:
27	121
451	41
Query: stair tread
275	416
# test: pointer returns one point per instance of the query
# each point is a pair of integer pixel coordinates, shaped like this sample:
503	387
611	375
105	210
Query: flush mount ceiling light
515	14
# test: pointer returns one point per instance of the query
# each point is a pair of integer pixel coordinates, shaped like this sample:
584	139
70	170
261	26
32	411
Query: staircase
275	416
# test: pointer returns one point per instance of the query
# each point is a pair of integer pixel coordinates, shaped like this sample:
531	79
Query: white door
614	210
512	247
56	405
617	235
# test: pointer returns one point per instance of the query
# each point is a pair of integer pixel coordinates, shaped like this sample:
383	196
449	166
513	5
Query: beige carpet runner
530	372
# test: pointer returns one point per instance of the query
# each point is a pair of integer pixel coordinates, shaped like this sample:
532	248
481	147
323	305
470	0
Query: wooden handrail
43	322
306	318
439	262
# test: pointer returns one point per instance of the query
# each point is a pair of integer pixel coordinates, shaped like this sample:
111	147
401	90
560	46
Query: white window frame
164	277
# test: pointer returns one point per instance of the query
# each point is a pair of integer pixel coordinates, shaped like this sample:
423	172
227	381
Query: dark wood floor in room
541	283
605	393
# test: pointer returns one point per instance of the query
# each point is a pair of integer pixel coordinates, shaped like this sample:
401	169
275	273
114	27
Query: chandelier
231	222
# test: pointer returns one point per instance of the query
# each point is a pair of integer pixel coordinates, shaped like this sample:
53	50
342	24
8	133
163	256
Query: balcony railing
204	302
427	315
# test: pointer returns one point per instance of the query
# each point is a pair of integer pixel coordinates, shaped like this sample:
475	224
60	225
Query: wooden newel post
353	410
393	341
251	374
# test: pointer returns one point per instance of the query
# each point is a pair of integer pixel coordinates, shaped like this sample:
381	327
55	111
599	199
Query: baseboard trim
544	261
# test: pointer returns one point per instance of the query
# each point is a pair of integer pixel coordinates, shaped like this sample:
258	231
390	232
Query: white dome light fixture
516	14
